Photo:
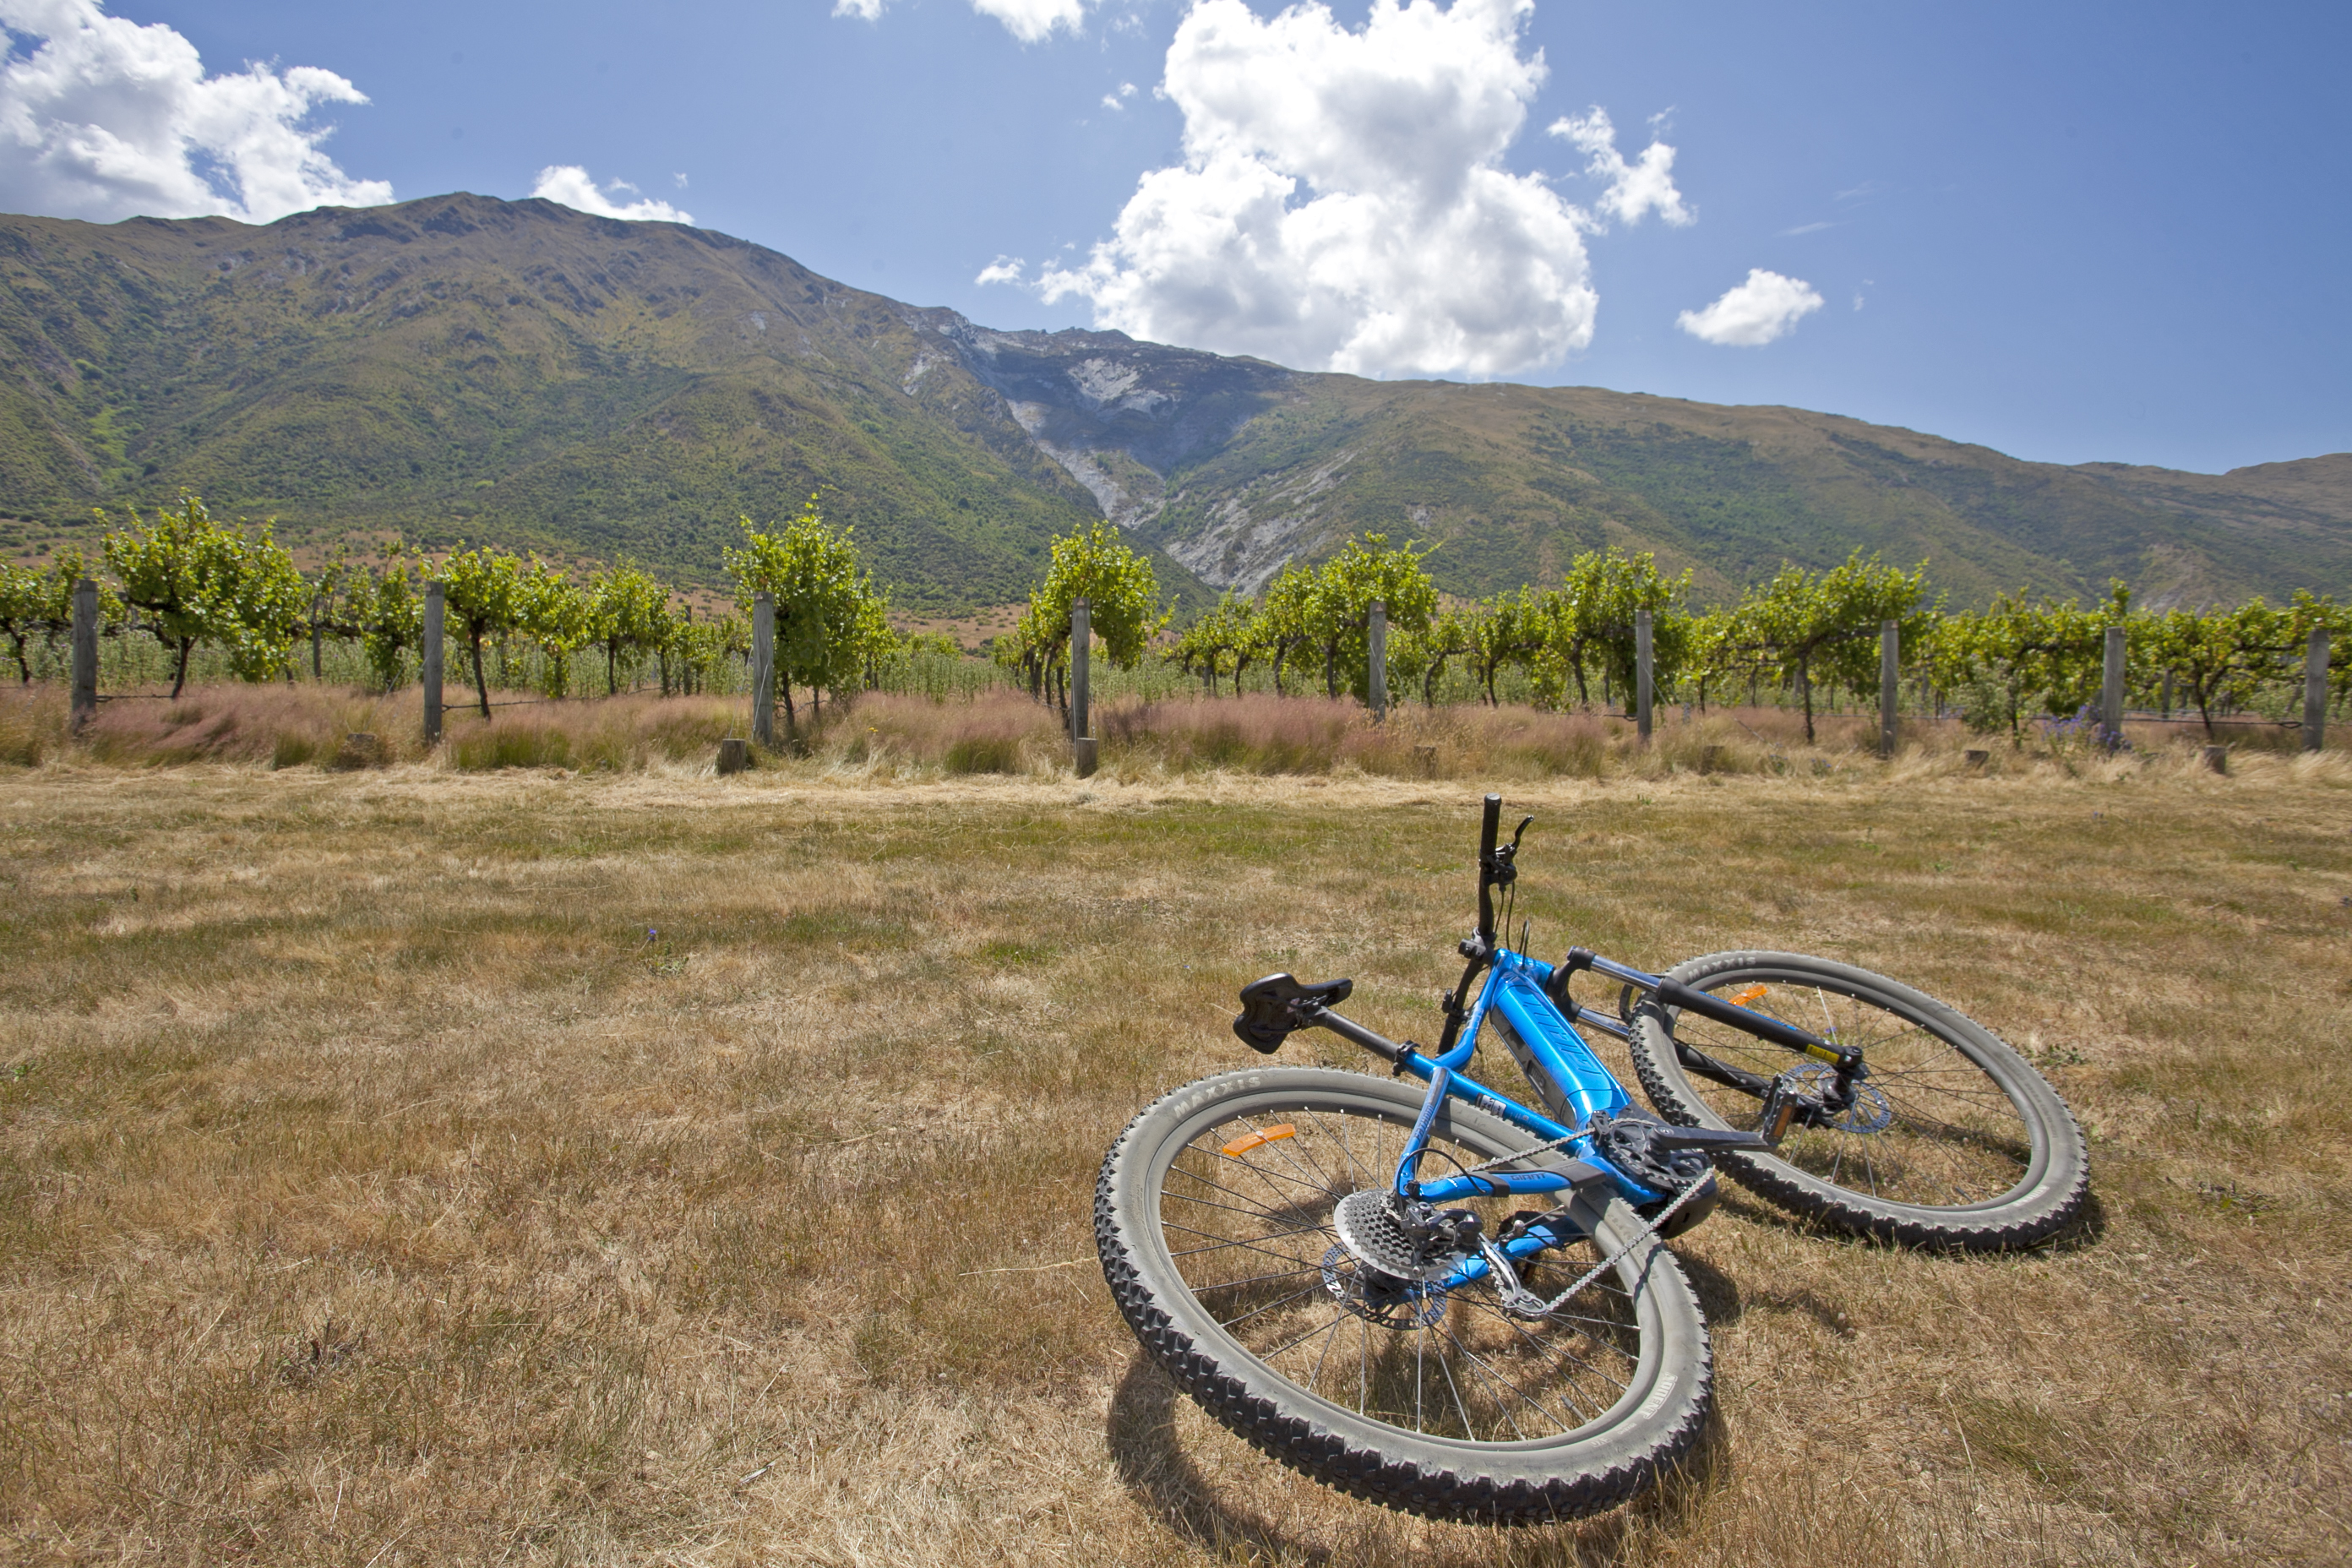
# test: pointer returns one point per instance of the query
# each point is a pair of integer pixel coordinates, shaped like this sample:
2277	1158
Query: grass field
412	1166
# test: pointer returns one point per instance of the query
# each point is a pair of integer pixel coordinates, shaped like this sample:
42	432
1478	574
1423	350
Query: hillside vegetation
517	372
507	371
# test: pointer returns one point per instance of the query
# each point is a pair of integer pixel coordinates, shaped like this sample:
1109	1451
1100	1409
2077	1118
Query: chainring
1626	1143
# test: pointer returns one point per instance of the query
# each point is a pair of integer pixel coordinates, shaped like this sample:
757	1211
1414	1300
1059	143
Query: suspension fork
1844	1061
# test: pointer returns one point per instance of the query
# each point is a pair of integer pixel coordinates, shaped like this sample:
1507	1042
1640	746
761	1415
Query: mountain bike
1430	1295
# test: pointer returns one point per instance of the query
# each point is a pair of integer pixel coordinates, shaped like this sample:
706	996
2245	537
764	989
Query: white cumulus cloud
1766	307
104	119
1341	204
1028	20
569	183
1644	185
1003	269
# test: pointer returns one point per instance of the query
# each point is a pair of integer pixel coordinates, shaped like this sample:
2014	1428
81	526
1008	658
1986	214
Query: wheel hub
1871	1111
1378	1298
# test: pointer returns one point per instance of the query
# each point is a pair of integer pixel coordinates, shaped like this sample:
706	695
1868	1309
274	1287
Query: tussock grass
884	735
403	1165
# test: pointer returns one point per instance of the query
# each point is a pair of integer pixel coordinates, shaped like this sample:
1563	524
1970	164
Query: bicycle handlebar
1490	827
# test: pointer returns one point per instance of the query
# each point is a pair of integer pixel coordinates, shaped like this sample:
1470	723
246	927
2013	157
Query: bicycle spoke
1315	1269
1288	1148
1250	1243
1488	1372
1521	1329
1286	1344
1268	1307
1562	1351
1469	1427
1224	1208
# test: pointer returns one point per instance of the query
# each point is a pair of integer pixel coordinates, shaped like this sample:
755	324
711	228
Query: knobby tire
1465	1416
1978	1153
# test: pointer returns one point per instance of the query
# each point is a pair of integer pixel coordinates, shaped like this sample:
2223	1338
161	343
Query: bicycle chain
1542	1309
1516	1297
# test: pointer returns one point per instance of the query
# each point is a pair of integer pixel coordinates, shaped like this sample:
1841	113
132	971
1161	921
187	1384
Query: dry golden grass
374	1188
905	736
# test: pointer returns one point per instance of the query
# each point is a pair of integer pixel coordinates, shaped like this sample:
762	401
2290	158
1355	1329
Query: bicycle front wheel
1214	1216
1953	1140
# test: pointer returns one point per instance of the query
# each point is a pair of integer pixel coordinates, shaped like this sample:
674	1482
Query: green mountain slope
521	373
515	372
1510	481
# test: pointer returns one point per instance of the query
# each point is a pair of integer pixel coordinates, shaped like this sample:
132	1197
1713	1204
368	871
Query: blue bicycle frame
1528	999
1513	992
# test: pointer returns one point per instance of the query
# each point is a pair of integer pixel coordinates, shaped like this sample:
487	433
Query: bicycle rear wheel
1953	1140
1214	1216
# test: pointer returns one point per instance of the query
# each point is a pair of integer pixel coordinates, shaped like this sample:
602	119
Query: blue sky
2073	232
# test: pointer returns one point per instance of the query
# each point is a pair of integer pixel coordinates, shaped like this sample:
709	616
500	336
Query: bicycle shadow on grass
1150	1455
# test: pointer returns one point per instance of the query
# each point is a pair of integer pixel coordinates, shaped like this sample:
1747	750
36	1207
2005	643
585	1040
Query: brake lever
1503	867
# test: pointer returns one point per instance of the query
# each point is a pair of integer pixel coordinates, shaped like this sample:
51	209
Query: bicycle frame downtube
1513	989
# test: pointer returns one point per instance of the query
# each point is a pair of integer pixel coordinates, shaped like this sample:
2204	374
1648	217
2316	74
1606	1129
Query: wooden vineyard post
1890	667
436	601
1082	743
1376	639
2314	690
1642	673
2111	692
85	653
764	668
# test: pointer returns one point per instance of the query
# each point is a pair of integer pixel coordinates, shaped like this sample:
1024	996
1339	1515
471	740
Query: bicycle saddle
1270	1008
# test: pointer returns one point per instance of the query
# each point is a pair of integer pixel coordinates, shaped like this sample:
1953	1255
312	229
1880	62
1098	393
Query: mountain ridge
518	373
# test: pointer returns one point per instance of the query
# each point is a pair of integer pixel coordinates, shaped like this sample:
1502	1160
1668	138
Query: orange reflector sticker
1748	995
1243	1145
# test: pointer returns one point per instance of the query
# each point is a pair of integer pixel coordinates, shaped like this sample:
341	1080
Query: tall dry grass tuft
612	734
283	726
32	724
1002	731
997	733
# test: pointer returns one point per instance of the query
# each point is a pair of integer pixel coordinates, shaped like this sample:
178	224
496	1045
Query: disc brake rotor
1378	1298
1870	1112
